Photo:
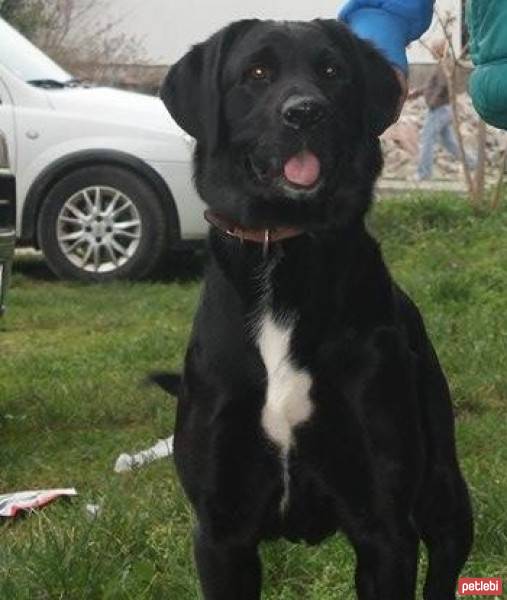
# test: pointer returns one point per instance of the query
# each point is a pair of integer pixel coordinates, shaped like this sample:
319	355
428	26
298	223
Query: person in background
438	124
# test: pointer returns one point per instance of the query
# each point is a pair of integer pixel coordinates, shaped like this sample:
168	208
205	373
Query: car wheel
102	223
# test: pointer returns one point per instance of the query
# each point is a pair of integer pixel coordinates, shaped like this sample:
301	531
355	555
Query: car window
25	60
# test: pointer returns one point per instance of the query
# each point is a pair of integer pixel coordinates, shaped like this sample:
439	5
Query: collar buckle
266	242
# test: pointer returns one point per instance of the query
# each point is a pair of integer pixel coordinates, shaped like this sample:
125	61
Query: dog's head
286	116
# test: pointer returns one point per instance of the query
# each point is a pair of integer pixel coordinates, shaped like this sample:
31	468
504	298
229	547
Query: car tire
102	223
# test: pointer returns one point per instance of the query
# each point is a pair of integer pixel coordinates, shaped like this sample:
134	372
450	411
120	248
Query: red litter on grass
12	504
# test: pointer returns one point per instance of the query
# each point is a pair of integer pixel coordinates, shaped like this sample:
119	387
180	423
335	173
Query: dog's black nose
302	112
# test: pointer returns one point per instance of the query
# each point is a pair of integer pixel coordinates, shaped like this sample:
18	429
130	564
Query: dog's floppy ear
191	91
381	87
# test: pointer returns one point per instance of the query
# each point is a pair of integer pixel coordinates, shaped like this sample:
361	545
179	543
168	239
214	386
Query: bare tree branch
77	33
502	169
449	64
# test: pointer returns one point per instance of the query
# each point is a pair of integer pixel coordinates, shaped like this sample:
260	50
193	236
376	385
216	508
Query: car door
7	191
7	125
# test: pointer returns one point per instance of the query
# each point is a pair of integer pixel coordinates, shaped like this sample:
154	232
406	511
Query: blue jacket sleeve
389	24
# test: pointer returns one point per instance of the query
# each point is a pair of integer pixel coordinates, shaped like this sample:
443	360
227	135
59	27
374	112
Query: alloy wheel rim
98	229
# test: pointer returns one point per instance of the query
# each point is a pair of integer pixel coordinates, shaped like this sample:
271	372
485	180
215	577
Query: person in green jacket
487	23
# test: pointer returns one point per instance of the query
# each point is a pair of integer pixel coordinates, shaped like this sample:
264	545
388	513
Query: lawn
72	359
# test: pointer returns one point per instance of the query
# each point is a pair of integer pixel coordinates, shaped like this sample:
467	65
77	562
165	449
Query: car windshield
25	60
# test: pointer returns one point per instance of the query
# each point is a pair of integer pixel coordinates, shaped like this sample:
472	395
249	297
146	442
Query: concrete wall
169	27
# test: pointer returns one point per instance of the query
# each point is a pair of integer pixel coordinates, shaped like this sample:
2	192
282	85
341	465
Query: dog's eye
259	72
329	71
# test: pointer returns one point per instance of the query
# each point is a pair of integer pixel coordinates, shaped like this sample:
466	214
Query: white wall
417	53
169	27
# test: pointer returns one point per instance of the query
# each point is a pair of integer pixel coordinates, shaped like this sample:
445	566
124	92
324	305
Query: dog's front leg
386	563
227	572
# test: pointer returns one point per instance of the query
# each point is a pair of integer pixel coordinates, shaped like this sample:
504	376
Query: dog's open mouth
302	170
298	175
301	175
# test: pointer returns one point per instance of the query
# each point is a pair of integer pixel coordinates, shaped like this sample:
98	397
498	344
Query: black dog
312	400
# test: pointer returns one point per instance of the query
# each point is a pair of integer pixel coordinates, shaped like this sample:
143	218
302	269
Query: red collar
260	236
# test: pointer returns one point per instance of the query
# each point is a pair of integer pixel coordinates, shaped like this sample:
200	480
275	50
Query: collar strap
260	236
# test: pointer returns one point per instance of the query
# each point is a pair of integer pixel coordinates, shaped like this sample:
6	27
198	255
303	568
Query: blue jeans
438	126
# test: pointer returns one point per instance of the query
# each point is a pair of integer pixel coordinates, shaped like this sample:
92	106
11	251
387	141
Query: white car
7	218
104	182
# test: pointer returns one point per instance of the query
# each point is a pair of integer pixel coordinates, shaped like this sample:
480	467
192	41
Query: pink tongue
302	169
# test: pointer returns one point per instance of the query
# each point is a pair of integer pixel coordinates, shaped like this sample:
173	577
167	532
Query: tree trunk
481	163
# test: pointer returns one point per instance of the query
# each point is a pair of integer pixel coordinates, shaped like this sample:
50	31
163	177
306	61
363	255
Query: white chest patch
287	403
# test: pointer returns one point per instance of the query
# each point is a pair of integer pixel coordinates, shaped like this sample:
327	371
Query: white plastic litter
11	504
128	462
93	510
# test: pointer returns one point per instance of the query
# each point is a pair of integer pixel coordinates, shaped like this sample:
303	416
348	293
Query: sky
169	27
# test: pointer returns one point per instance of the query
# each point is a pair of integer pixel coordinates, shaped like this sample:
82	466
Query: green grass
71	361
